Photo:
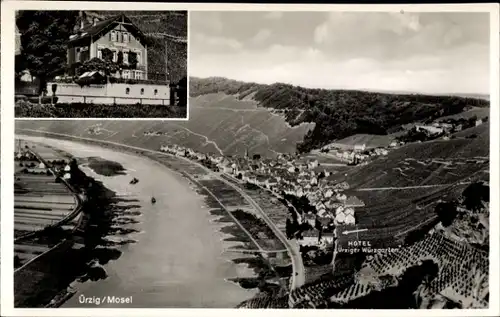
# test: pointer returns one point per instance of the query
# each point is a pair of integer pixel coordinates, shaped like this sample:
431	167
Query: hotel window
138	75
113	36
126	74
127	90
125	37
156	92
115	56
125	57
99	53
142	91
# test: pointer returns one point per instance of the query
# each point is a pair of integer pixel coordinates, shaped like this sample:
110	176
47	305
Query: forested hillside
338	113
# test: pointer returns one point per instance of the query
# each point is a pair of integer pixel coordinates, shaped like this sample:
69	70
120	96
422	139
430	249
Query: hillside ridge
338	114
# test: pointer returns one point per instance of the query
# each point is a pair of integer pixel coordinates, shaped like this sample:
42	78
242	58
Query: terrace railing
94	99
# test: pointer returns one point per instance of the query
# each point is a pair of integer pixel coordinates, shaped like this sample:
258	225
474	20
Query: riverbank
193	271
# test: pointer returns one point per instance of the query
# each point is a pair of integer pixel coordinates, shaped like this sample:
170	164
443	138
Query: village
291	178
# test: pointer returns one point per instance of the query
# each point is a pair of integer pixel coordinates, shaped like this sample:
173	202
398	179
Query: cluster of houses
448	126
31	165
358	153
286	175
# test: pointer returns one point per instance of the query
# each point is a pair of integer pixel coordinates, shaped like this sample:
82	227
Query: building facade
119	35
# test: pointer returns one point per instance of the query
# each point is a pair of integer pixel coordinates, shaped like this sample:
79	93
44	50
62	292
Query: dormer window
125	37
113	36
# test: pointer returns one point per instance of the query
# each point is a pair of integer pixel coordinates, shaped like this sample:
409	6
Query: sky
446	52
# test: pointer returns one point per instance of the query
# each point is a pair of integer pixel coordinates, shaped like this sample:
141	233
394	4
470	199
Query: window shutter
110	35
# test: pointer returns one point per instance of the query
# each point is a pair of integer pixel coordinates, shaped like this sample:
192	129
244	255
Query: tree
474	196
44	36
446	211
107	55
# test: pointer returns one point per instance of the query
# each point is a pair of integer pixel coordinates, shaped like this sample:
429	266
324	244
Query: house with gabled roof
353	201
328	193
118	34
310	237
327	238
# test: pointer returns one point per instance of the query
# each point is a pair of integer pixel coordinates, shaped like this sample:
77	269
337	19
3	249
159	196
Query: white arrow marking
353	231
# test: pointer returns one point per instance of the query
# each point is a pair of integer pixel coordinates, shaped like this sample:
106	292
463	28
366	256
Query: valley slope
218	123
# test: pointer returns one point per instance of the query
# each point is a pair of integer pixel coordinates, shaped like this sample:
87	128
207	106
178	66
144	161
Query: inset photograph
101	64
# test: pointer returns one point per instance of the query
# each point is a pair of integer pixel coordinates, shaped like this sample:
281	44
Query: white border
7	129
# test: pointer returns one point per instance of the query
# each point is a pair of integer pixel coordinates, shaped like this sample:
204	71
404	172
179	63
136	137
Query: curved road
298	276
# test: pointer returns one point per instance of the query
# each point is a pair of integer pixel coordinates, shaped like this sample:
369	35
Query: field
475	111
241	210
225	194
89	110
274	209
370	140
39	202
237	124
427	163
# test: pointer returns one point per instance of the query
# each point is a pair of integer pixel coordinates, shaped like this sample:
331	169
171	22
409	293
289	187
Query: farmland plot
226	194
421	164
38	200
274	209
47	152
25	252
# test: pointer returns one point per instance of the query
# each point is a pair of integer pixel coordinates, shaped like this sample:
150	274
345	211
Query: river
178	260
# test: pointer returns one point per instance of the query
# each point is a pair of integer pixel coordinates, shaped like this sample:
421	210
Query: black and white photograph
101	64
331	160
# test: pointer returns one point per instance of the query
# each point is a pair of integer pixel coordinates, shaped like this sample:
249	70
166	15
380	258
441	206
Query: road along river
178	259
